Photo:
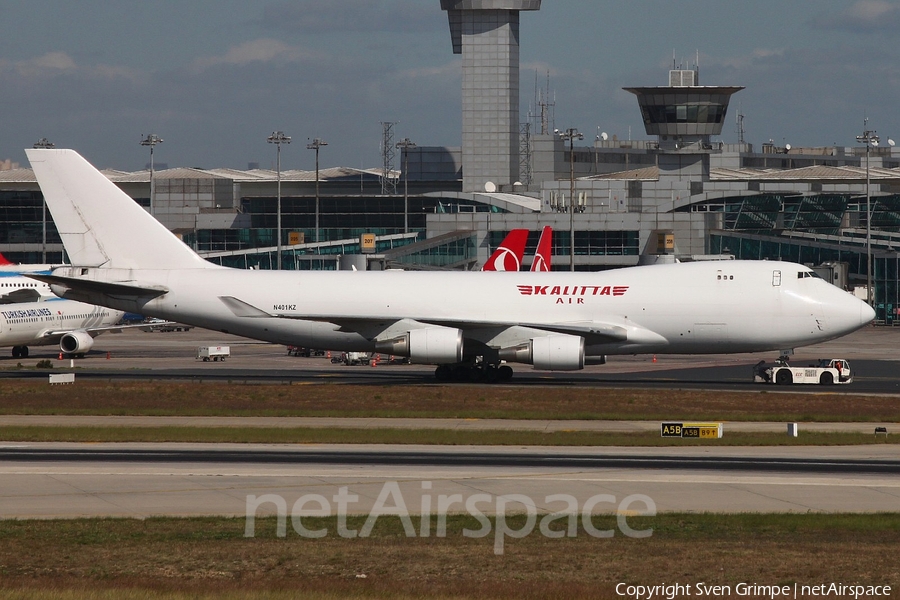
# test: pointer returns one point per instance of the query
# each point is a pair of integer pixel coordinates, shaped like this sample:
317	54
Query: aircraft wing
104	328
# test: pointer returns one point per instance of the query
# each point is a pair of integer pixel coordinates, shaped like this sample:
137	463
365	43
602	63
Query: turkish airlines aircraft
541	260
508	255
72	325
15	287
465	322
32	315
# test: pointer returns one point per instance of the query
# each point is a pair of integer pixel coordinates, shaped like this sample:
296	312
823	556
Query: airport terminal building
678	194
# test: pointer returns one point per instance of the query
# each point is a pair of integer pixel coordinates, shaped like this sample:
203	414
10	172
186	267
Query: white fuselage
703	307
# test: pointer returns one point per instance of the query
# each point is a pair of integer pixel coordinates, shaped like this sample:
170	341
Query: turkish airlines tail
508	256
542	254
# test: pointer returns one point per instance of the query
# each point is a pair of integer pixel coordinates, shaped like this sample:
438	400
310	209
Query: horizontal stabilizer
101	287
20	296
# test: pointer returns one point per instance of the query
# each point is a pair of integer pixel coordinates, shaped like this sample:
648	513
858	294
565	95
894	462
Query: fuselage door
776	278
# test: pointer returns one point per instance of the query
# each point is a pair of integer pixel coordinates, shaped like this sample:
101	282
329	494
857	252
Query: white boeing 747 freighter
464	322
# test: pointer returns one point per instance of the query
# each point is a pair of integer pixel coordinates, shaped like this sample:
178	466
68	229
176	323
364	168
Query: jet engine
550	352
76	342
430	346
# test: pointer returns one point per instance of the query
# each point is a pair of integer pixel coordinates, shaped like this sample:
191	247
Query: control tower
684	114
486	33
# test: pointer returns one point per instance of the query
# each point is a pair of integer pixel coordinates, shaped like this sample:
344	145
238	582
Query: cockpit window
805	274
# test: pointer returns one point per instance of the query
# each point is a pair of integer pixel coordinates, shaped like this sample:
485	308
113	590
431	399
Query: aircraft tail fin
542	254
100	225
4	262
508	255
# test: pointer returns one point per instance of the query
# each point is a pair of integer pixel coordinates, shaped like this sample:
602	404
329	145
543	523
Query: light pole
869	138
152	140
278	138
315	145
405	144
44	143
571	134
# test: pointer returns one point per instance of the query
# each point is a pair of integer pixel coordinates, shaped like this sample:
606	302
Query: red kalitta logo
572	294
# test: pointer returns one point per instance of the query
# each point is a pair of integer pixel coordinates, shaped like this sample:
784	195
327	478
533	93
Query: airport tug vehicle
827	371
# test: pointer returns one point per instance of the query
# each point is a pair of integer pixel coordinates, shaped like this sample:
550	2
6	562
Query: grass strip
450	437
210	557
160	398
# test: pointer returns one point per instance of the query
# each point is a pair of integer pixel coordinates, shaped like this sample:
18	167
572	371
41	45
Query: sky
214	78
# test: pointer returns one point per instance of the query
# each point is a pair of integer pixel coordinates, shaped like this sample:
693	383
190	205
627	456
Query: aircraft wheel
784	377
504	373
15	352
826	378
23	351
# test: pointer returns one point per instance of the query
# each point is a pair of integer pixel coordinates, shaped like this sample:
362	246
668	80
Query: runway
142	480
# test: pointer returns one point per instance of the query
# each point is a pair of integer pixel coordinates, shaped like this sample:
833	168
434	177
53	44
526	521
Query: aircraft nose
849	313
866	313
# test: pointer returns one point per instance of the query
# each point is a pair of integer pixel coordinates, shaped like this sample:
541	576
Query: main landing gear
474	372
20	352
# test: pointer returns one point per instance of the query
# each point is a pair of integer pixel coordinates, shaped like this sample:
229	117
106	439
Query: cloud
863	17
263	50
58	64
53	61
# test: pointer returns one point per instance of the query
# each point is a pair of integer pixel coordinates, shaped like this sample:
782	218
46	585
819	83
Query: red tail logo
508	256
542	255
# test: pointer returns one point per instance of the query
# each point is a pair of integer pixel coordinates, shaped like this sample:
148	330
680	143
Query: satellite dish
490	187
875	143
891	142
604	136
787	146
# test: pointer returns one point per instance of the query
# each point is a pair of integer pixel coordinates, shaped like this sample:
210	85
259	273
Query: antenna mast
739	120
545	116
388	182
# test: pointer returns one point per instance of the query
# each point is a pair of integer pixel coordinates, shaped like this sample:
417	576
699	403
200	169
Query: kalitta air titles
572	294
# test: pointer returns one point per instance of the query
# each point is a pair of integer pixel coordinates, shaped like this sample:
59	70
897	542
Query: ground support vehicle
827	371
214	353
356	358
